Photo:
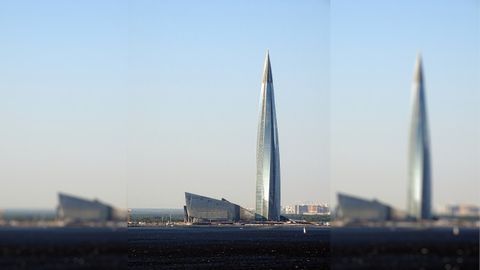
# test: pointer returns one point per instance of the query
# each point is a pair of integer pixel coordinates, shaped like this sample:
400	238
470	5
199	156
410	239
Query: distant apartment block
288	210
307	209
462	210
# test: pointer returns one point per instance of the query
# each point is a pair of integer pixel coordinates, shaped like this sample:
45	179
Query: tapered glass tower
419	171
267	203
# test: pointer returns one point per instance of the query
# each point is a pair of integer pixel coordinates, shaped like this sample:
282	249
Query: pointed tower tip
418	67
267	70
419	57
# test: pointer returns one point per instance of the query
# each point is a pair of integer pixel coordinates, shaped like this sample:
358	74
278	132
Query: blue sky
63	101
196	68
135	102
373	50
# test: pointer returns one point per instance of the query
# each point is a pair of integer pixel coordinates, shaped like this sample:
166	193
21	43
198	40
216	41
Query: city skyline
145	100
370	102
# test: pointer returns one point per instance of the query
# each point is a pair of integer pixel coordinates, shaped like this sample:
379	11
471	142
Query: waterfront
279	247
62	248
240	247
405	248
230	247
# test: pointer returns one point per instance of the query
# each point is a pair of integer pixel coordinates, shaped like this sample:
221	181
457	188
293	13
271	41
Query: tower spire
267	69
419	171
267	203
418	69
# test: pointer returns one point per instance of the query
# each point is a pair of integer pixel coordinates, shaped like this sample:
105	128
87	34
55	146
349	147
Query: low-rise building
462	210
73	209
312	209
352	208
204	209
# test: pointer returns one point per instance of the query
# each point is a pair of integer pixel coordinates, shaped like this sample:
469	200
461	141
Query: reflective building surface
267	204
74	209
356	209
204	209
419	171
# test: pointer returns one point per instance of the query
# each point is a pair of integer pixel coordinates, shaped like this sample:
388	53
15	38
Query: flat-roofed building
312	209
289	210
463	210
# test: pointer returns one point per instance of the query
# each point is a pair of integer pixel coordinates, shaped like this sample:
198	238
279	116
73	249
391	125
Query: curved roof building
267	204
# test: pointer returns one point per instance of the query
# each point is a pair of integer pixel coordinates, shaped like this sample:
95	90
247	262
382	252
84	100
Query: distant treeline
309	218
156	215
176	215
28	214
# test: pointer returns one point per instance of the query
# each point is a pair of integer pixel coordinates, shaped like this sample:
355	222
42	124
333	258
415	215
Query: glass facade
357	209
267	204
419	182
204	209
74	209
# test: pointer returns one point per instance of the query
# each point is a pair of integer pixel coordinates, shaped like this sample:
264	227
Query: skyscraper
419	173
267	204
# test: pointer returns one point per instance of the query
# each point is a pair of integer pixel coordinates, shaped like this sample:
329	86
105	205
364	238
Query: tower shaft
419	170
267	204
